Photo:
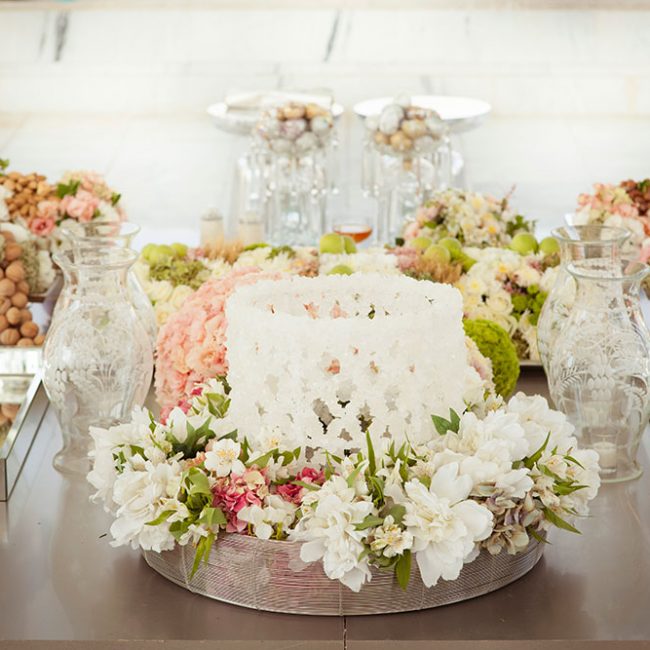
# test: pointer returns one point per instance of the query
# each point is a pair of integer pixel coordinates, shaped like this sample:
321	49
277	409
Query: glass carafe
98	234
97	358
577	243
599	373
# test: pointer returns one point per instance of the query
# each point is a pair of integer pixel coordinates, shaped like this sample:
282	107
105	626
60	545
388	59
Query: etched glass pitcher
576	243
600	367
97	358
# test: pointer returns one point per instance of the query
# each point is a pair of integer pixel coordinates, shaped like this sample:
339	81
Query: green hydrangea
495	344
180	272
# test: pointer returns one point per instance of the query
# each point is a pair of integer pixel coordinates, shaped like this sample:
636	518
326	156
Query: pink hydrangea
191	346
234	492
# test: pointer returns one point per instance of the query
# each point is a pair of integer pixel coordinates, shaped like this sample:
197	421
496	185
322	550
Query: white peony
445	524
141	497
328	532
222	457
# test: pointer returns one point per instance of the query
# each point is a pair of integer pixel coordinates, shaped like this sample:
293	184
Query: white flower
179	294
222	457
445	525
141	496
390	539
160	291
276	512
328	530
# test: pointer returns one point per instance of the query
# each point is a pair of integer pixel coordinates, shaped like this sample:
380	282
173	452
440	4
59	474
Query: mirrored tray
23	403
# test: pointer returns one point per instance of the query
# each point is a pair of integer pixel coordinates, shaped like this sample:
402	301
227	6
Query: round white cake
320	361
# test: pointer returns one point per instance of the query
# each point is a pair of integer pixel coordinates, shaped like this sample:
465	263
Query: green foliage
493	342
4	163
531	300
287	250
403	570
520	224
192	273
443	425
67	189
194	442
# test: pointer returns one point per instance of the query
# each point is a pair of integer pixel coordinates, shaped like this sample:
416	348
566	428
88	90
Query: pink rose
42	227
81	207
49	210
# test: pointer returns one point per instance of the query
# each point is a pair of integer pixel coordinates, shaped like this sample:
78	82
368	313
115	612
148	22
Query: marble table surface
61	580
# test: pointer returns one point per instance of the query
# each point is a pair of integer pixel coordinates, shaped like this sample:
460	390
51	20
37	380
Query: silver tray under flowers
268	575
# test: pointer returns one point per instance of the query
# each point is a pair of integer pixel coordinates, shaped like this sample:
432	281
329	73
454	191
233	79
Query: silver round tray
269	575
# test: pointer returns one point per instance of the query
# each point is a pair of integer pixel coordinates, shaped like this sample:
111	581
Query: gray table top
60	579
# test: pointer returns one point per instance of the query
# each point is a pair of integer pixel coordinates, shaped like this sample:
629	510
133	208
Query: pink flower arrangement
191	346
41	227
234	492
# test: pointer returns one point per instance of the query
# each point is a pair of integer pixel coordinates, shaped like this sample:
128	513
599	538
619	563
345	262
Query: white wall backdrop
123	87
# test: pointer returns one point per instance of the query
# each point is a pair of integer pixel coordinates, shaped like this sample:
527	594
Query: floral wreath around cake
487	474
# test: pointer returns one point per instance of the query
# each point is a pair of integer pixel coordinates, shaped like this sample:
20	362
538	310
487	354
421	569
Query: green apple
524	243
454	247
350	246
180	250
332	243
437	253
420	243
161	254
147	251
549	246
341	269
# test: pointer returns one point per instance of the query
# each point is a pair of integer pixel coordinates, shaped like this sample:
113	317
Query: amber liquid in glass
358	231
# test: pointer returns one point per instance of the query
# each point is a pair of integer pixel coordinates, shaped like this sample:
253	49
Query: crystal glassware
590	242
599	373
97	358
81	237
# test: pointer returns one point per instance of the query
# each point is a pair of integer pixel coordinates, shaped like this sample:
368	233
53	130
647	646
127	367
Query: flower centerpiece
626	205
473	218
348	442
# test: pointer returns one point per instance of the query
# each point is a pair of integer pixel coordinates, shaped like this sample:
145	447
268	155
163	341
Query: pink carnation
191	346
41	227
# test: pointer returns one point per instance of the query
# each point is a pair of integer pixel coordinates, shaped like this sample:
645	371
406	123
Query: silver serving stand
268	575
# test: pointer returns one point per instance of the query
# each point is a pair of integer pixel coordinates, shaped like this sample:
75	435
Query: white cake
312	361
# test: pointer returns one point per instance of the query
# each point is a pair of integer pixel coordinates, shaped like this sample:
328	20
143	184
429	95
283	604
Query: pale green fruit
420	243
454	247
180	250
549	246
332	243
148	250
350	246
437	253
161	254
341	269
524	243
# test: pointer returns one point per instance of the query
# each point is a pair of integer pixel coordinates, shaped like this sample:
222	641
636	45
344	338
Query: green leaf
4	163
194	442
562	489
535	535
372	462
230	436
571	459
308	486
281	249
403	570
203	549
163	516
557	521
213	517
443	425
454	419
397	512
198	482
262	461
63	189
115	199
353	475
370	521
530	461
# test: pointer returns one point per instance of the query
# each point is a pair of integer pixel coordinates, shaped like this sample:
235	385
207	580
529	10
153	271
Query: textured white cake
312	361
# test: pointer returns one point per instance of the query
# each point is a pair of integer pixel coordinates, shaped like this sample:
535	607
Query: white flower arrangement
480	482
508	289
473	218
